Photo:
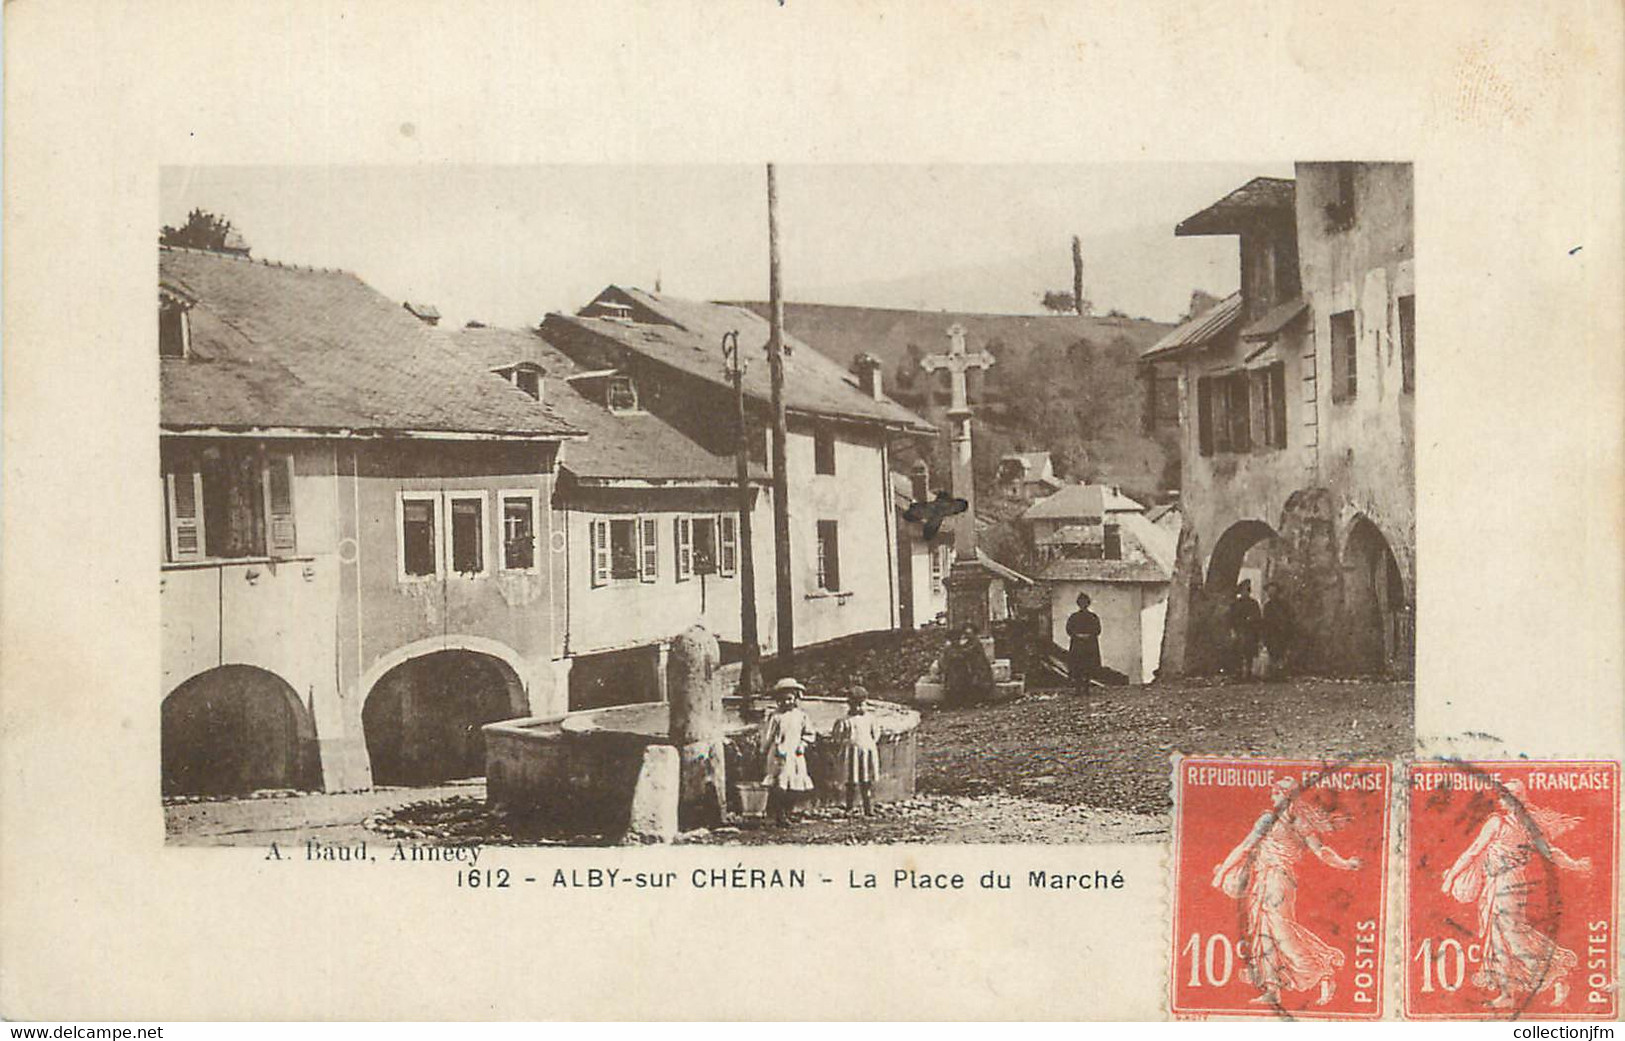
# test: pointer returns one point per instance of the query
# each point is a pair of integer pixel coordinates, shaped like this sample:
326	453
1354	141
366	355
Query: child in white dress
785	737
857	735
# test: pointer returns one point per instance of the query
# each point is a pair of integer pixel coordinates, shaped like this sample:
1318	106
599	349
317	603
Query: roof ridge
166	247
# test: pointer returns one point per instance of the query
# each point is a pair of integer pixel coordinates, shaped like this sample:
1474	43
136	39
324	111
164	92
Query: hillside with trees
1061	383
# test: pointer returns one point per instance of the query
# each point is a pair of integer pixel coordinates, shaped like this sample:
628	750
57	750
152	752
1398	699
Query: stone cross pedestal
968	580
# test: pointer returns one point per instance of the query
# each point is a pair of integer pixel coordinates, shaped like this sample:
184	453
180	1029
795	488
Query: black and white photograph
785	504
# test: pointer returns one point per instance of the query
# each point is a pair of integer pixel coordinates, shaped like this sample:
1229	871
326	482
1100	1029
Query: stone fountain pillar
697	728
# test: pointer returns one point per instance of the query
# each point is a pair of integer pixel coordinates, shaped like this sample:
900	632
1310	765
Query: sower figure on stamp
857	735
1499	872
785	737
1280	630
1244	617
1083	647
1262	872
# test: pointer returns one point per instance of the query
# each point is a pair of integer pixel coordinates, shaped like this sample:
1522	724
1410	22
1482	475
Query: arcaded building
1296	405
354	576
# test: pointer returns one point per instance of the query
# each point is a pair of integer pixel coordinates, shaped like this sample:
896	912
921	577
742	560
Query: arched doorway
236	729
1376	608
1248	551
422	718
1244	551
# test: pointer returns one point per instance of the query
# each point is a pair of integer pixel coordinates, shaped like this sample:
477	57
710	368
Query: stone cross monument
968	580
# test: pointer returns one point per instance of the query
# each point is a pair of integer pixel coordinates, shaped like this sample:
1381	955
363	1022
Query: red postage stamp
1511	890
1280	876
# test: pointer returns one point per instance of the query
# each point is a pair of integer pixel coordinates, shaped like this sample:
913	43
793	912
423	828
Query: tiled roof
619	445
1080	500
1261	196
1009	574
687	335
1200	329
275	346
1073	500
1275	319
497	348
1147	554
1140	534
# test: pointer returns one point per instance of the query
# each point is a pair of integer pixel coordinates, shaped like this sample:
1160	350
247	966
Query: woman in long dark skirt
966	672
1083	649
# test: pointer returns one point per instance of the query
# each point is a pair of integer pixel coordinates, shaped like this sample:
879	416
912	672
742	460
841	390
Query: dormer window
614	311
526	376
620	394
174	329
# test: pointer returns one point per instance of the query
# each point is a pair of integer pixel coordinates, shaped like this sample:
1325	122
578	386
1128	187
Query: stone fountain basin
581	770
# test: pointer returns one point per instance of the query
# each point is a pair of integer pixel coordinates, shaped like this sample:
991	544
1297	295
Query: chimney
425	313
919	480
868	367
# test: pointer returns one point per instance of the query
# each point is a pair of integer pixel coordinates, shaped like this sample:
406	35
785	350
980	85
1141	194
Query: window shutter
1278	400
832	564
683	530
728	539
649	558
1241	413
279	504
1204	415
185	516
600	552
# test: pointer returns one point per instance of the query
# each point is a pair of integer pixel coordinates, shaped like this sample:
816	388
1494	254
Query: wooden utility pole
1077	275
750	676
781	479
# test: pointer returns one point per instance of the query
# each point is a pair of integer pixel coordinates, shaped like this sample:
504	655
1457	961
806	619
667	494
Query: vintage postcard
1512	890
504	493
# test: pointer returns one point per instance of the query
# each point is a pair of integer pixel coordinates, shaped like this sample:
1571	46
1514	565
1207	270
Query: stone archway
422	717
237	729
1246	546
1238	549
1376	605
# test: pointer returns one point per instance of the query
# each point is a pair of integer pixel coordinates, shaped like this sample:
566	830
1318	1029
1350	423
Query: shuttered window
228	501
1407	343
185	515
1345	364
599	537
623	549
728	550
1269	406
829	556
705	545
649	550
282	538
683	538
1238	409
823	451
1204	415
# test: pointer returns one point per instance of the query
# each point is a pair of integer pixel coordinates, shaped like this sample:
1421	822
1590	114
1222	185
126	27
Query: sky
507	244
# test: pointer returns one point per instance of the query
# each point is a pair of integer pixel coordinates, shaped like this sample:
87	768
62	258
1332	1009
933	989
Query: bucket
752	798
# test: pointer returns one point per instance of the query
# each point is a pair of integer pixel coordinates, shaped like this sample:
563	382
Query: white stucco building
668	353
